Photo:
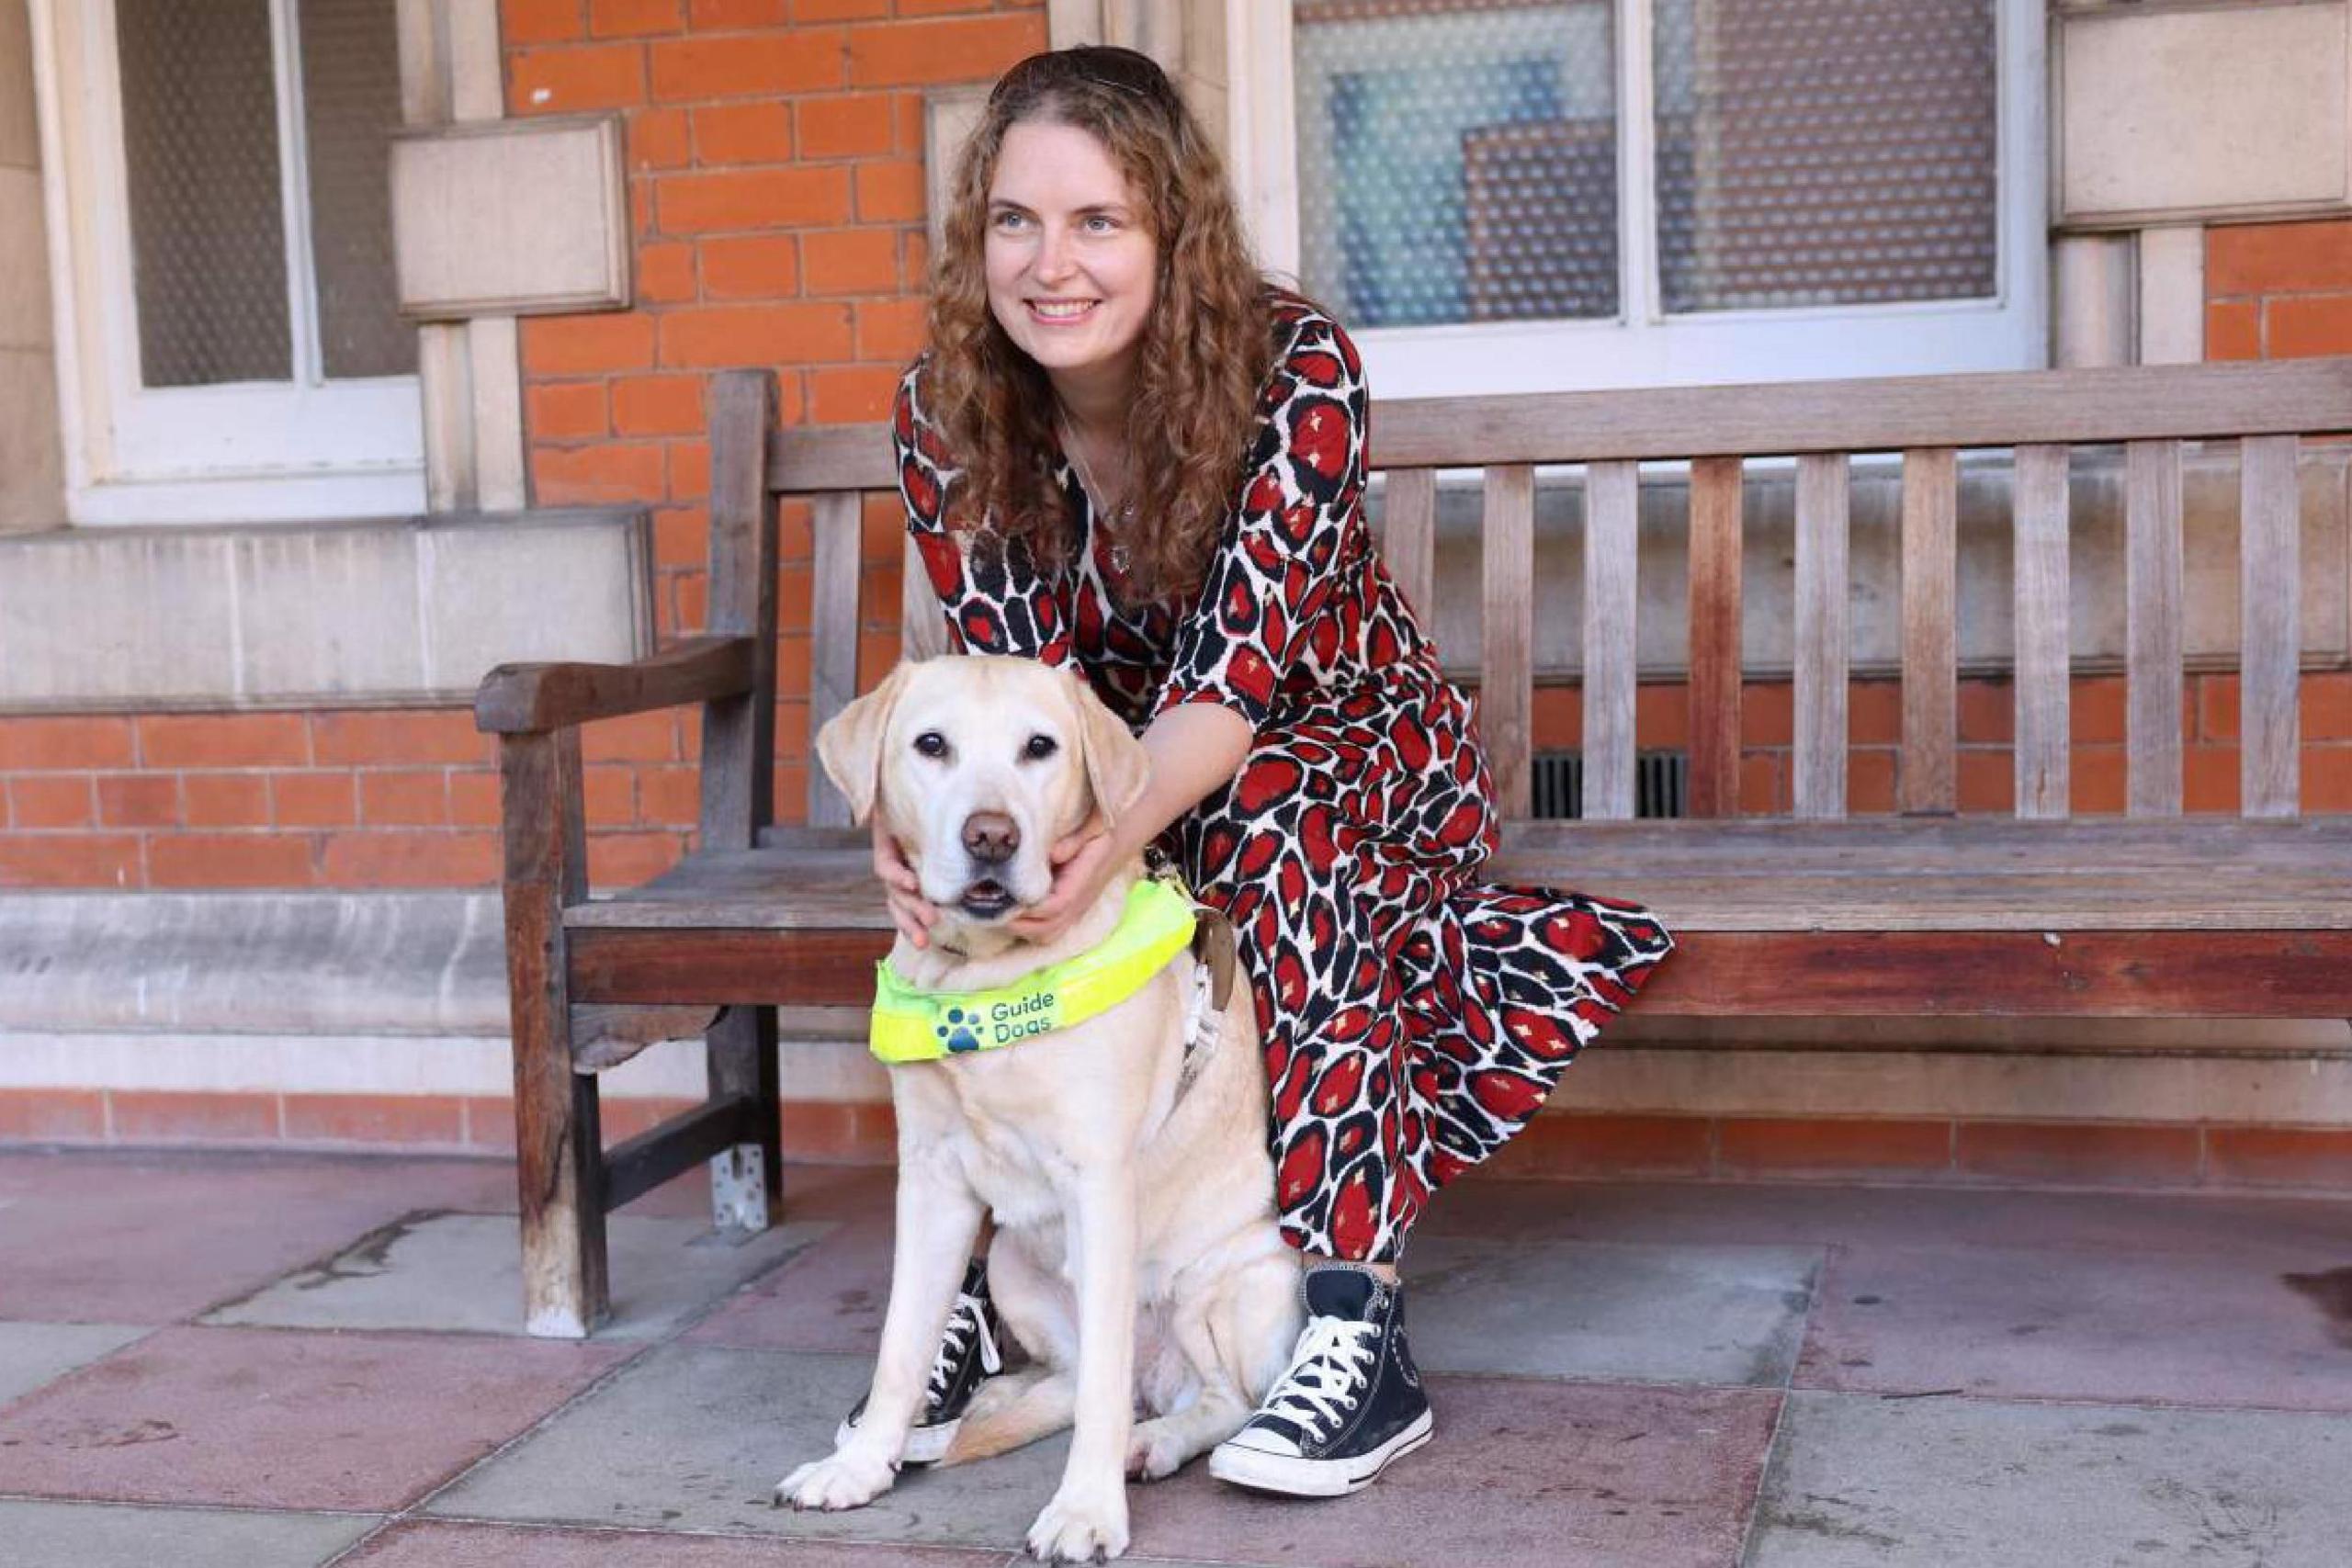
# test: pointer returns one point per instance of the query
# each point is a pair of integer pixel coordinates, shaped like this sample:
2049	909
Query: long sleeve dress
1413	1018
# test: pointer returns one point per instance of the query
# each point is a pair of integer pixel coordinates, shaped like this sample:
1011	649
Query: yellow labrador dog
1135	1257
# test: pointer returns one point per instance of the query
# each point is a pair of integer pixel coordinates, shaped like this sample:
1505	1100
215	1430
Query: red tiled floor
828	1298
2220	1330
116	1237
1522	1472
284	1419
498	1546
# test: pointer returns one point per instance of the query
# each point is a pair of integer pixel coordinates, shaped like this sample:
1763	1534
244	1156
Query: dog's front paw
846	1479
1075	1529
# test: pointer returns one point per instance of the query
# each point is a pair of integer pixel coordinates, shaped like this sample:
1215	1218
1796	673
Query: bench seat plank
1959	876
2137	973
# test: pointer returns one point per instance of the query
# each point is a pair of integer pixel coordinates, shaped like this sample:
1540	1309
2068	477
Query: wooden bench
2155	913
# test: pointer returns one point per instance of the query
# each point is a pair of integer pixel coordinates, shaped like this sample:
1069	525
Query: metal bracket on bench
739	1189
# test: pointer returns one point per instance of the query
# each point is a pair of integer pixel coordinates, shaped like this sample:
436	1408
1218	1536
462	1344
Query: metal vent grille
1661	779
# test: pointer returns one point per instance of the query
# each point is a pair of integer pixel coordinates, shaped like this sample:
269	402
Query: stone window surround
399	611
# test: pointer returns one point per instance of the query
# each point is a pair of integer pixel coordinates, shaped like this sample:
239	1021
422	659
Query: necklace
1114	519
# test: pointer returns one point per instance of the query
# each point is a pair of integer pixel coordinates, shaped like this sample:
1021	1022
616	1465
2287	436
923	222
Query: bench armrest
525	699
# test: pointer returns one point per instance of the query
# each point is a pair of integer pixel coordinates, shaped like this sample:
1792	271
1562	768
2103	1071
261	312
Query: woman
1127	453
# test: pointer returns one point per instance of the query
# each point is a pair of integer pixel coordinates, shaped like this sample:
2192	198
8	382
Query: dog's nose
990	837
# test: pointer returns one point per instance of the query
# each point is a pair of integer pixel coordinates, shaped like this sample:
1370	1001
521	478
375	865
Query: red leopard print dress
1414	1018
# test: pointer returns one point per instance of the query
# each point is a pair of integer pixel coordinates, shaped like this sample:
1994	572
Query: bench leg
747	1181
560	1173
558	1143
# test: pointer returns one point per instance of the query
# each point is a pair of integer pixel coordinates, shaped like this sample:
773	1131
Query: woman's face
1070	263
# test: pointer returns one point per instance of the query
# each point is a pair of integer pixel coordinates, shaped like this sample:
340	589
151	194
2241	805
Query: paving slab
828	1298
2222	1331
1609	1311
440	1544
33	1353
285	1419
693	1438
464	1273
1567	1475
101	1535
158	1238
1873	1481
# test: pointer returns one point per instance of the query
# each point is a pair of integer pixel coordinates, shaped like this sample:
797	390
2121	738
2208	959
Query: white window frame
1643	346
305	448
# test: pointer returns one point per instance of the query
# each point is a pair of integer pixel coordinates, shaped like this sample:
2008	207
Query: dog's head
976	766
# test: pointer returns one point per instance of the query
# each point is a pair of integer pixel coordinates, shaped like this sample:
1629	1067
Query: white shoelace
968	1319
1332	1360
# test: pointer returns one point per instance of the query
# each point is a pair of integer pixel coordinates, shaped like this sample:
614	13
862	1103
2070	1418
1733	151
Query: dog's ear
1117	768
850	745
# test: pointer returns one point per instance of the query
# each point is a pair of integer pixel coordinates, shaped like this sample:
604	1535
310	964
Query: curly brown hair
1207	346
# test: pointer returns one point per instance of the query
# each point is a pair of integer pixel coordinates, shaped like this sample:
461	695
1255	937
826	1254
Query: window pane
1826	152
1457	159
351	101
207	235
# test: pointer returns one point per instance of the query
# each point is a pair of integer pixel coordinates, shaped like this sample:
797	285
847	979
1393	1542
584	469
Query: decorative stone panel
2167	112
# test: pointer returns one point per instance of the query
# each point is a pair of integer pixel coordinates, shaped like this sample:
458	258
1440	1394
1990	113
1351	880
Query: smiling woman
1128	454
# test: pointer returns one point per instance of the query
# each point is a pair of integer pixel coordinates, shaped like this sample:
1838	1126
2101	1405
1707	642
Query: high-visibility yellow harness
914	1025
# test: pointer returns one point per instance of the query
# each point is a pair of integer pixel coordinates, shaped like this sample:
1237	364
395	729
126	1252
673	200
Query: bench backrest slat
923	629
1507	680
2041	415
2153	632
1714	600
2042	743
1927	780
1408	535
1887	414
832	630
1612	533
738	733
1822	590
1882	415
2271	611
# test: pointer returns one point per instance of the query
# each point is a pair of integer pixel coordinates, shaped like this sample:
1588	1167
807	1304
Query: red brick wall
2278	290
775	178
774	153
335	798
1985	761
776	184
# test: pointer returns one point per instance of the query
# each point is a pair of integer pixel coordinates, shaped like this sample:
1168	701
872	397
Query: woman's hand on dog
910	911
1082	865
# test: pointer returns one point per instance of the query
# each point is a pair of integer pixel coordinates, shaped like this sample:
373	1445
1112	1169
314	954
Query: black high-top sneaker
968	1356
1350	1403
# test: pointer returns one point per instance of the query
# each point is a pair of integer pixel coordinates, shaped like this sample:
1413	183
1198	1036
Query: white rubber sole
925	1445
1296	1477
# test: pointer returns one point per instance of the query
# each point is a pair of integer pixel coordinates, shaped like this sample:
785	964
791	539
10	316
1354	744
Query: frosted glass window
1826	152
199	123
351	100
1457	159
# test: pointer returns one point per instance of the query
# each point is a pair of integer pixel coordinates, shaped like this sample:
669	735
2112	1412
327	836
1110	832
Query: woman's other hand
1082	866
910	911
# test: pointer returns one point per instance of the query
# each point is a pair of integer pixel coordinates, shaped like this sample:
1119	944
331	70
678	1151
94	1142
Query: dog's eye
1040	746
930	743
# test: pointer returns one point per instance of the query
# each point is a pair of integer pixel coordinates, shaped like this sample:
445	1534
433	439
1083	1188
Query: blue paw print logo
956	1033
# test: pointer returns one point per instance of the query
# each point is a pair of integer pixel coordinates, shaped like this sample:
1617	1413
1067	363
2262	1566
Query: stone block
319	615
2176	112
24	318
507	218
32	479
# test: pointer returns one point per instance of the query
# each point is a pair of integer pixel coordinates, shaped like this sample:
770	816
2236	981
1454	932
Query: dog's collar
914	1025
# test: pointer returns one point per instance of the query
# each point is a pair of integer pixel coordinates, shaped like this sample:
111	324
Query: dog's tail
1011	1412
